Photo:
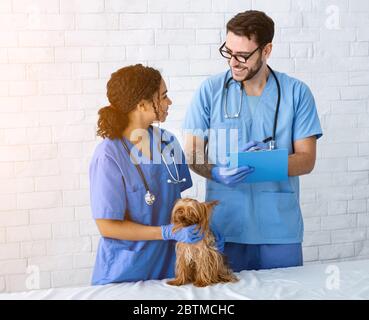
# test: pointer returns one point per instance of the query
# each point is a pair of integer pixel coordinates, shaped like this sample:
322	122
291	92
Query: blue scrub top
117	193
255	213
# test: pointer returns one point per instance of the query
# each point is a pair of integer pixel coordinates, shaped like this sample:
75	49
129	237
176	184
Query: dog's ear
208	210
211	204
177	214
177	219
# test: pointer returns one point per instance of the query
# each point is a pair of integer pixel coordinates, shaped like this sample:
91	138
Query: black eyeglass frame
228	55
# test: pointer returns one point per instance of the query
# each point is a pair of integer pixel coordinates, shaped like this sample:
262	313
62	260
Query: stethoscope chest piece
149	198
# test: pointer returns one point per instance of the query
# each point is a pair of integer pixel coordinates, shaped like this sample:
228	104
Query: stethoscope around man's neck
149	196
271	140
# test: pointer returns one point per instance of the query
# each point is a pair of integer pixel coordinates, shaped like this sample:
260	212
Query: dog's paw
175	282
229	277
200	284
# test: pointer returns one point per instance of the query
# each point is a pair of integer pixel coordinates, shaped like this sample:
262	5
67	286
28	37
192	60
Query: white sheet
344	280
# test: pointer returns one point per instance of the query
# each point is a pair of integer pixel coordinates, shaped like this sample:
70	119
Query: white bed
343	280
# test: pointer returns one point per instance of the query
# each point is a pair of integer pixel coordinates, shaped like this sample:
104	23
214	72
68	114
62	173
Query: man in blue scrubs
261	222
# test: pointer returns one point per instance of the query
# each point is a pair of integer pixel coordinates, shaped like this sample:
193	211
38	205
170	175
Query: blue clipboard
270	165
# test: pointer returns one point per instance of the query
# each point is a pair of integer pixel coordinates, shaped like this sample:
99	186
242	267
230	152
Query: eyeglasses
239	57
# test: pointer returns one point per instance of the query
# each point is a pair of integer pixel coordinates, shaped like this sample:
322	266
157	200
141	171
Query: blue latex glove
219	239
230	176
254	146
186	234
233	176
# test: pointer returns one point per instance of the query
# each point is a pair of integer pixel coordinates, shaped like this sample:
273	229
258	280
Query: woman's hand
219	239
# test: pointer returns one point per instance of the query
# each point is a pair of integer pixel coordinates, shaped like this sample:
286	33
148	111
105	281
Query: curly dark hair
125	89
253	23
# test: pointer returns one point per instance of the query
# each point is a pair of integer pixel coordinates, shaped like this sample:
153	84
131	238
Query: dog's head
187	212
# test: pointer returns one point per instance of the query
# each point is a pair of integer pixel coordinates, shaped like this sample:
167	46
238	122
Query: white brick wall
55	59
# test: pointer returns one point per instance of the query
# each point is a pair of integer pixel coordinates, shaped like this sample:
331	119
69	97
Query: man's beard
254	71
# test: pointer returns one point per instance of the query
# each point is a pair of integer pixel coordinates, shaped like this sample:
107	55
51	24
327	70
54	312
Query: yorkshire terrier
200	263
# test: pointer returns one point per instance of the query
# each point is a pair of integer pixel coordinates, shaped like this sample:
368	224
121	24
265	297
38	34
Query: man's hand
230	176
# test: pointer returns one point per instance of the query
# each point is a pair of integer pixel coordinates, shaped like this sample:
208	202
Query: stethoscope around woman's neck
271	140
149	196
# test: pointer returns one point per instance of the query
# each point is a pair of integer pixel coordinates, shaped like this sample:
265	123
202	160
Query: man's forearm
197	157
203	170
300	163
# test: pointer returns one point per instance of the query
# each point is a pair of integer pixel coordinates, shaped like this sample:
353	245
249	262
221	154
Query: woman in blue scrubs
133	245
